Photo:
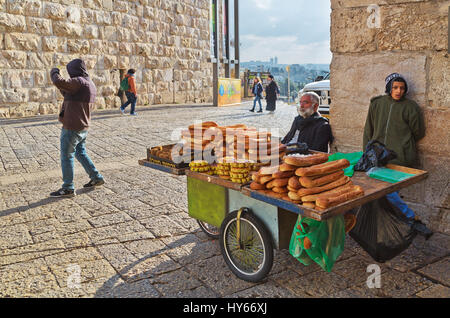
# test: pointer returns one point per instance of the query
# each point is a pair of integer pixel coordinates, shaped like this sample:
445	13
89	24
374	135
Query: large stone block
78	46
24	109
13	59
67	29
409	26
439	81
42	95
23	42
25	7
337	4
437	135
12	23
39	26
13	96
405	26
356	79
54	11
36	61
54	44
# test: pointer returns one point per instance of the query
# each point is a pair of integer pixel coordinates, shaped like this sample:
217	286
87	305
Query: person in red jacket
130	93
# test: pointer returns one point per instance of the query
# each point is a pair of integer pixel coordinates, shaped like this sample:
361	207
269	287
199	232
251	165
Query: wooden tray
373	189
162	166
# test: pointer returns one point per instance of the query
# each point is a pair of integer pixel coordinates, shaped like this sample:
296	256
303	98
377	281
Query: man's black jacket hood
77	68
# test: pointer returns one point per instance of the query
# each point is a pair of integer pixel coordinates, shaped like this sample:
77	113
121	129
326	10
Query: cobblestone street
133	237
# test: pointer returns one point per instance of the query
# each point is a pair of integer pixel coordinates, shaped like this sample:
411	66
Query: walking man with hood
79	97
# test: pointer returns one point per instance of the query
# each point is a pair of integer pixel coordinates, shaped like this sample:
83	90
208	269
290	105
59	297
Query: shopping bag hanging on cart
318	241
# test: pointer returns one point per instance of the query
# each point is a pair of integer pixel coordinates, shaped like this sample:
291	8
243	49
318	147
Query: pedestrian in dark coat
79	98
272	91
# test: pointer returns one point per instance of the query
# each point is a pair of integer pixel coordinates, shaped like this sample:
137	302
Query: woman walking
257	90
272	92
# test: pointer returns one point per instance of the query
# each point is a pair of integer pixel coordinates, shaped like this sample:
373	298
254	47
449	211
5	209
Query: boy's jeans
394	198
73	145
131	99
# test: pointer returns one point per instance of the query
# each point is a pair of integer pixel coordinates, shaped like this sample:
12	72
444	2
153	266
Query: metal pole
173	80
236	40
215	59
226	17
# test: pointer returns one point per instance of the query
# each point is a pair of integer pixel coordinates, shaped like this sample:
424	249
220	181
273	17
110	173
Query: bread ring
308	182
323	168
306	161
341	181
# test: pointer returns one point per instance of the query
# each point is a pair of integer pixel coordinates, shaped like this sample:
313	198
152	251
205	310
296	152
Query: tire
209	229
253	259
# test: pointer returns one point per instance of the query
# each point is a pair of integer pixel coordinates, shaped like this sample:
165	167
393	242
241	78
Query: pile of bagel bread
235	141
308	180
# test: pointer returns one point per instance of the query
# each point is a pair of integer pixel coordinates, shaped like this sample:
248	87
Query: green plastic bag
353	157
388	175
327	241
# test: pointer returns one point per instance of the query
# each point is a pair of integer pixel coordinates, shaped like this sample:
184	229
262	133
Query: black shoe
259	111
422	229
63	193
252	110
94	183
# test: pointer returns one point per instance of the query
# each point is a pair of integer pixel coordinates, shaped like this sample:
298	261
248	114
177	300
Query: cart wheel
250	258
209	229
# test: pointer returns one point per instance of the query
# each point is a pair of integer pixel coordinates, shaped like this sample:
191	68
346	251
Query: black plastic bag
297	147
375	155
382	230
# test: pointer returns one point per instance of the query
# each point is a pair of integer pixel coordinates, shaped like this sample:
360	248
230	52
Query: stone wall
410	37
152	36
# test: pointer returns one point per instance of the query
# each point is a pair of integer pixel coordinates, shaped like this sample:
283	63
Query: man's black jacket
315	131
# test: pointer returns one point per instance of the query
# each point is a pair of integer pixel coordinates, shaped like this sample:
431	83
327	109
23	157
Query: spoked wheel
210	230
246	246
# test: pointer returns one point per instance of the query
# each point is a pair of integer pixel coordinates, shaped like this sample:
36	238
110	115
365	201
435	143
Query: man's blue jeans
394	199
73	145
131	99
257	99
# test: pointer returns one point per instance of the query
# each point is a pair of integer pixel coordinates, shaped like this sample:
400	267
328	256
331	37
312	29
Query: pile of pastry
308	180
236	141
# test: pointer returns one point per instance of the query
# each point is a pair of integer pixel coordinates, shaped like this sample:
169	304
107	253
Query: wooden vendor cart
250	224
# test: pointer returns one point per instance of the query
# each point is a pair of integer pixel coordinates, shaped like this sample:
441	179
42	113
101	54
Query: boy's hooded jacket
396	124
79	95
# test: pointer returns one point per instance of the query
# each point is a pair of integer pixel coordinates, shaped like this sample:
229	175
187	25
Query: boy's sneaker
259	111
122	111
63	193
421	229
94	183
133	114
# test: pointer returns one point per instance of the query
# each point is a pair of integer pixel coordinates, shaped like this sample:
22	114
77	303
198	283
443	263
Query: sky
296	31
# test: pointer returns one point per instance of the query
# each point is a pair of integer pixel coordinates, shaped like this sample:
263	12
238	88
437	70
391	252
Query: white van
322	88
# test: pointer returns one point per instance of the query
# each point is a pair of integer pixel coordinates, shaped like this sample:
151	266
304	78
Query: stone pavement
133	236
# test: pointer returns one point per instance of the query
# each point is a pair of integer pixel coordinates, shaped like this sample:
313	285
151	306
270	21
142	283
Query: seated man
398	123
310	127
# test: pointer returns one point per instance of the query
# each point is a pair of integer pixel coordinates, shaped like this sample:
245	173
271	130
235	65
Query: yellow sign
229	91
